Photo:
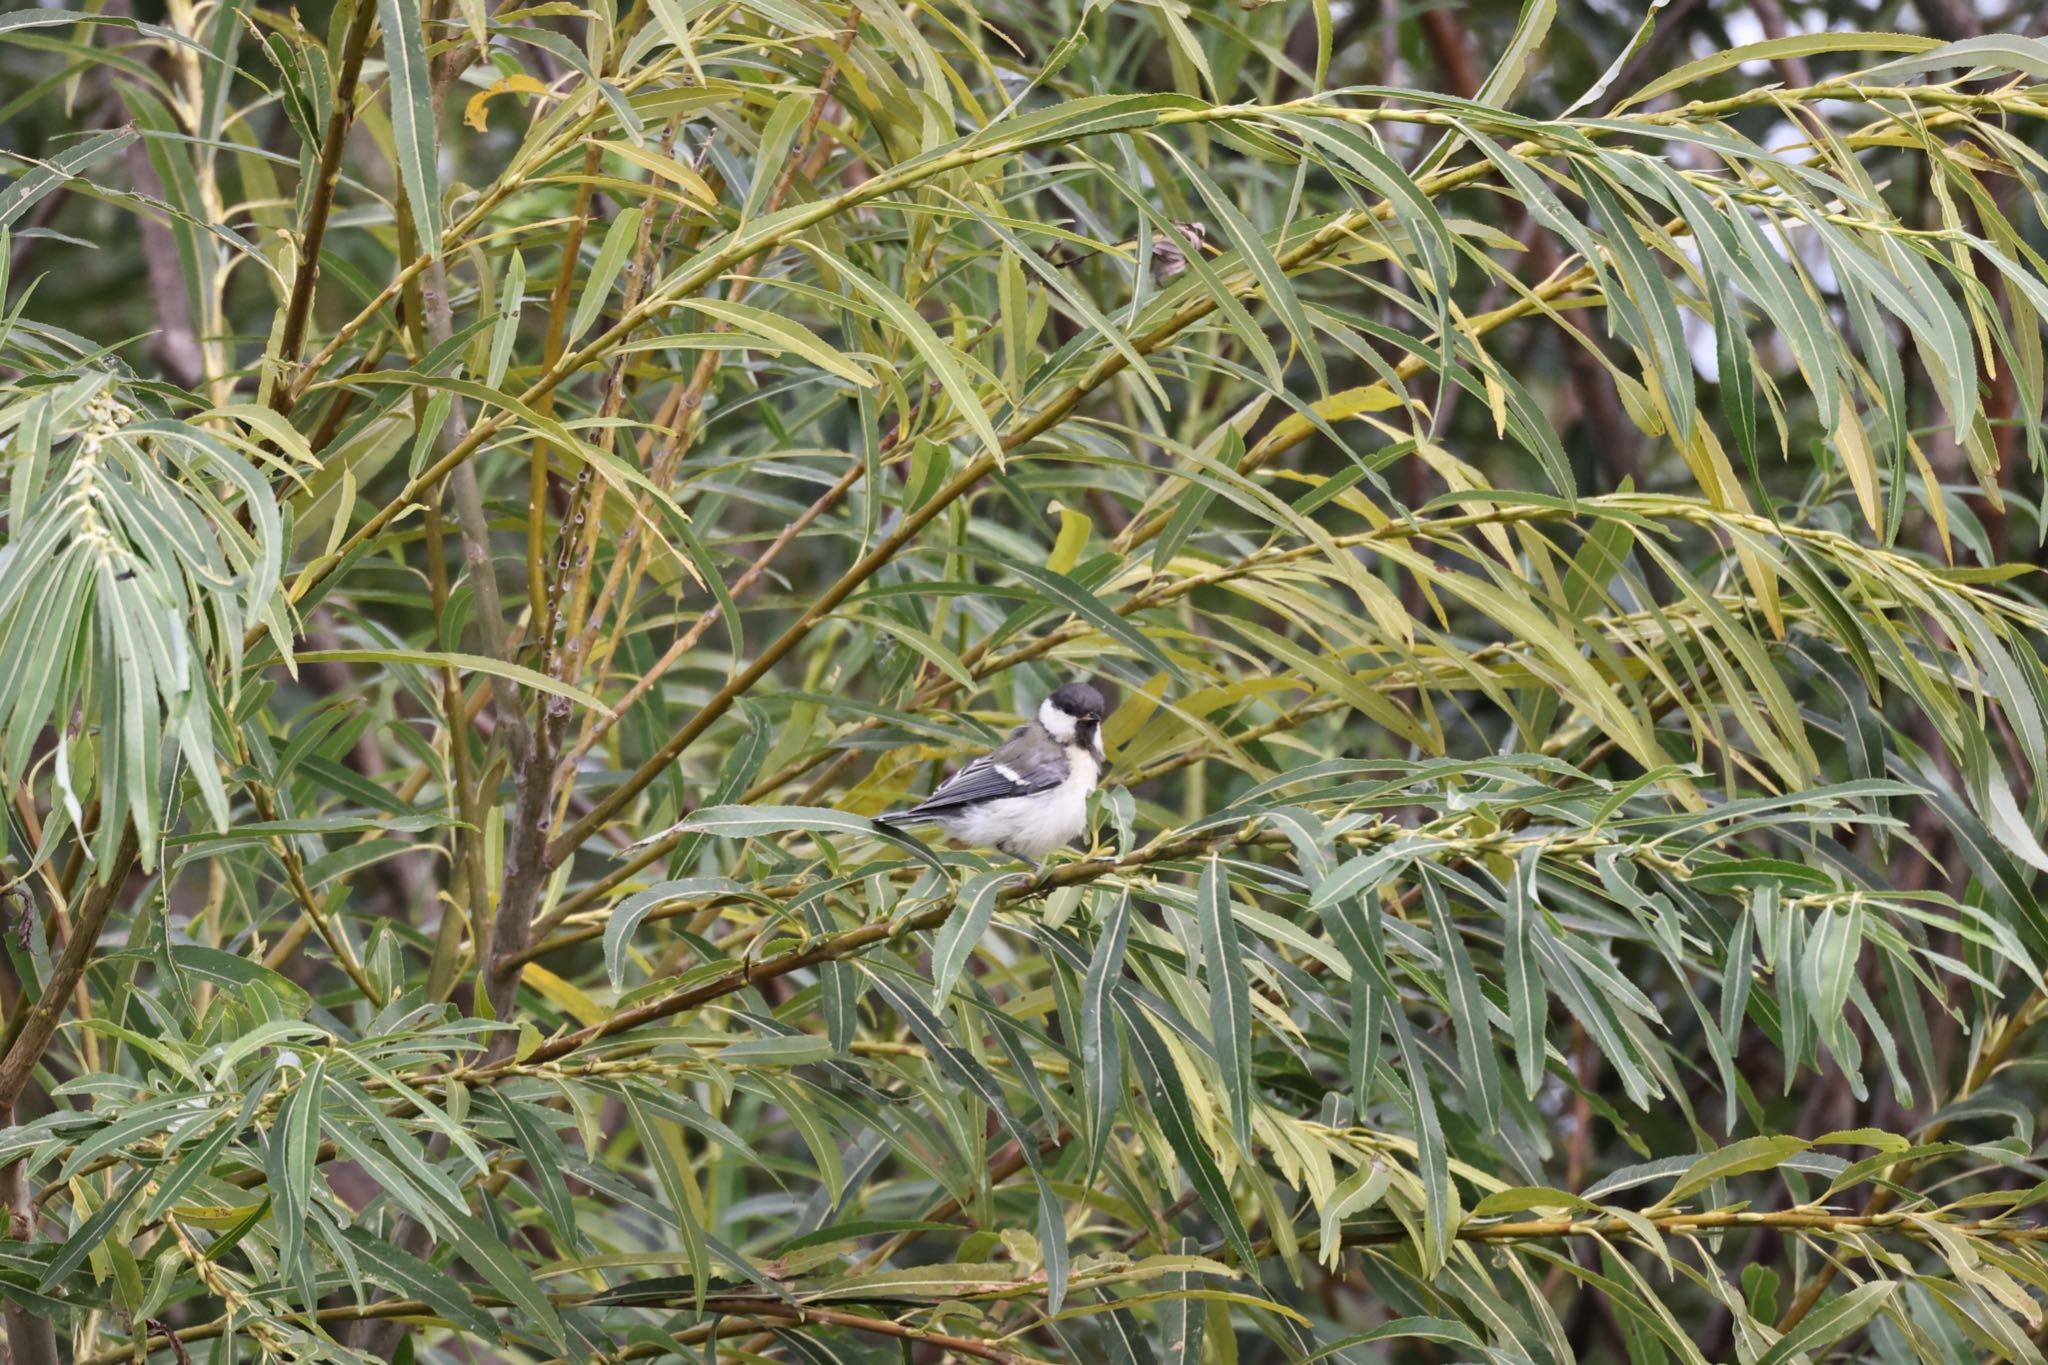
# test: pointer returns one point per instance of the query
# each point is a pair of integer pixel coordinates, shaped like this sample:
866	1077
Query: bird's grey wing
1024	764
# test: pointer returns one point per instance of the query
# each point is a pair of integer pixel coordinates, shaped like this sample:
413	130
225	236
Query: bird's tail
901	817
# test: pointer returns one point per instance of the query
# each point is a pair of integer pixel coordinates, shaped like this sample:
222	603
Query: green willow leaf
26	190
1064	593
468	663
1265	267
410	1277
966	1071
618	244
945	364
87	1236
781	332
1528	998
628	914
1834	1320
778	140
753	822
963	929
412	116
1160	1075
478	1243
1478	1065
1230	1005
1101	1048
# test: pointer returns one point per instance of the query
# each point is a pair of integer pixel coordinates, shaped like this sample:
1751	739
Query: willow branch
27	1036
299	306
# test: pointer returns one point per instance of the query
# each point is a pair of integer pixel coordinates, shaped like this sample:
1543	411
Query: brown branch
539	601
1446	39
769	1315
1952	20
28	1035
299	306
31	1338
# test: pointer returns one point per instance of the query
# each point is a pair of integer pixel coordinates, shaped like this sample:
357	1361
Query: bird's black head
1073	715
1081	701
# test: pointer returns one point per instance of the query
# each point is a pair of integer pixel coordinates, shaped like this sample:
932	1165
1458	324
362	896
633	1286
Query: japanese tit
1169	258
1030	795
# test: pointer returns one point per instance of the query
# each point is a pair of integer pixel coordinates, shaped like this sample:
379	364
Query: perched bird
1169	258
1030	796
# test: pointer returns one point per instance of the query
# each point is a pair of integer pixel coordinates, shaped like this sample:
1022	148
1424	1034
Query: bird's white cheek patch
1056	722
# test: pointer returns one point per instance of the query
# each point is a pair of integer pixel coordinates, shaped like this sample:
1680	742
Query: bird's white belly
1031	826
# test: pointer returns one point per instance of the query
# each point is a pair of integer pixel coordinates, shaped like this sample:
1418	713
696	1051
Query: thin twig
688	415
299	305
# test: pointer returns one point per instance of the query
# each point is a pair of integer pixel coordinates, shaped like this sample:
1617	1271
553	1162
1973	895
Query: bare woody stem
31	1338
538	601
28	1035
299	306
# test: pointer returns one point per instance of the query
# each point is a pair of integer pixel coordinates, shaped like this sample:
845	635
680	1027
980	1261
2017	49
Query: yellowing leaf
1937	504
563	995
1074	529
477	112
1295	428
668	168
1852	443
272	428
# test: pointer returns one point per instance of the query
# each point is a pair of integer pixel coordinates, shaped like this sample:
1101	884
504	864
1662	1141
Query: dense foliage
496	496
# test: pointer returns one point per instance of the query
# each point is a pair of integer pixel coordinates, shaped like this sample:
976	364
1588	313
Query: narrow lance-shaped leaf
1230	1006
1170	1106
1527	996
962	930
619	240
25	190
965	1070
1102	1056
1477	1062
412	116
